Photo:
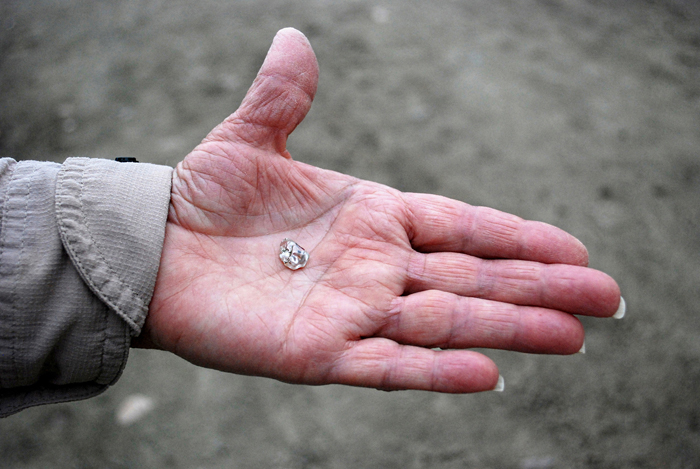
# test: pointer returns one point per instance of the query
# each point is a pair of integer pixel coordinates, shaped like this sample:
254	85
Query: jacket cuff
111	217
79	242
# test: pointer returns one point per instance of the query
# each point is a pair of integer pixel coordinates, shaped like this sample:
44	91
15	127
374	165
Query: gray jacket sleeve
80	246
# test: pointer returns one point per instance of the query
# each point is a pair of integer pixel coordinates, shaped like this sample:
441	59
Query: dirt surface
584	114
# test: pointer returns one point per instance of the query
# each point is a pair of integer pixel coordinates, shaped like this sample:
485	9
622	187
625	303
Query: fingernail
621	309
583	348
501	385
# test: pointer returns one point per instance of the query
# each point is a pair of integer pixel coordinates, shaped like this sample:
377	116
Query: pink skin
390	276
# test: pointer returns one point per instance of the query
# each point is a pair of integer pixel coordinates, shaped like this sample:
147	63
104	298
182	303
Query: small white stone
134	408
381	15
292	255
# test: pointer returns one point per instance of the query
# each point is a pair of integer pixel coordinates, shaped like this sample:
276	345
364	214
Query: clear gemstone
292	255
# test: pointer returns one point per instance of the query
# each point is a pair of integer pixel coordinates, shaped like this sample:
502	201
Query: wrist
144	340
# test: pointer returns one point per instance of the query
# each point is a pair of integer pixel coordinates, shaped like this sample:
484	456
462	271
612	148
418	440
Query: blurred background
583	114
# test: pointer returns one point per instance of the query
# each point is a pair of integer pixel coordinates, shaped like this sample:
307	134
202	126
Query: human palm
391	276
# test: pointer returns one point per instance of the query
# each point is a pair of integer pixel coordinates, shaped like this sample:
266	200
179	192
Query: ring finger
438	319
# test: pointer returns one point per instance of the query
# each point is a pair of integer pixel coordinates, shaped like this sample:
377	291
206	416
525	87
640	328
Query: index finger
440	224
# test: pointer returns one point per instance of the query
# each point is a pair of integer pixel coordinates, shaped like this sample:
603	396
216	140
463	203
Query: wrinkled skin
391	277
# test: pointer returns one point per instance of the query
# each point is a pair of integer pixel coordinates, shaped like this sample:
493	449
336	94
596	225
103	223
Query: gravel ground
583	114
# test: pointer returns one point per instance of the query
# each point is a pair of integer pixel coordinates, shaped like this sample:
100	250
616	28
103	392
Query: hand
390	276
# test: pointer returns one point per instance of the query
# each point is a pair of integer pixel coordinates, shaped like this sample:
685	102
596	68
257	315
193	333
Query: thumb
279	98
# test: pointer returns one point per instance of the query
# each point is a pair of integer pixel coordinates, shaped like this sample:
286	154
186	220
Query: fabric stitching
97	250
25	197
106	311
3	238
4	207
3	231
15	284
103	333
93	247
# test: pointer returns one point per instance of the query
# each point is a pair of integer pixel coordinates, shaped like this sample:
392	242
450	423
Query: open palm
391	276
